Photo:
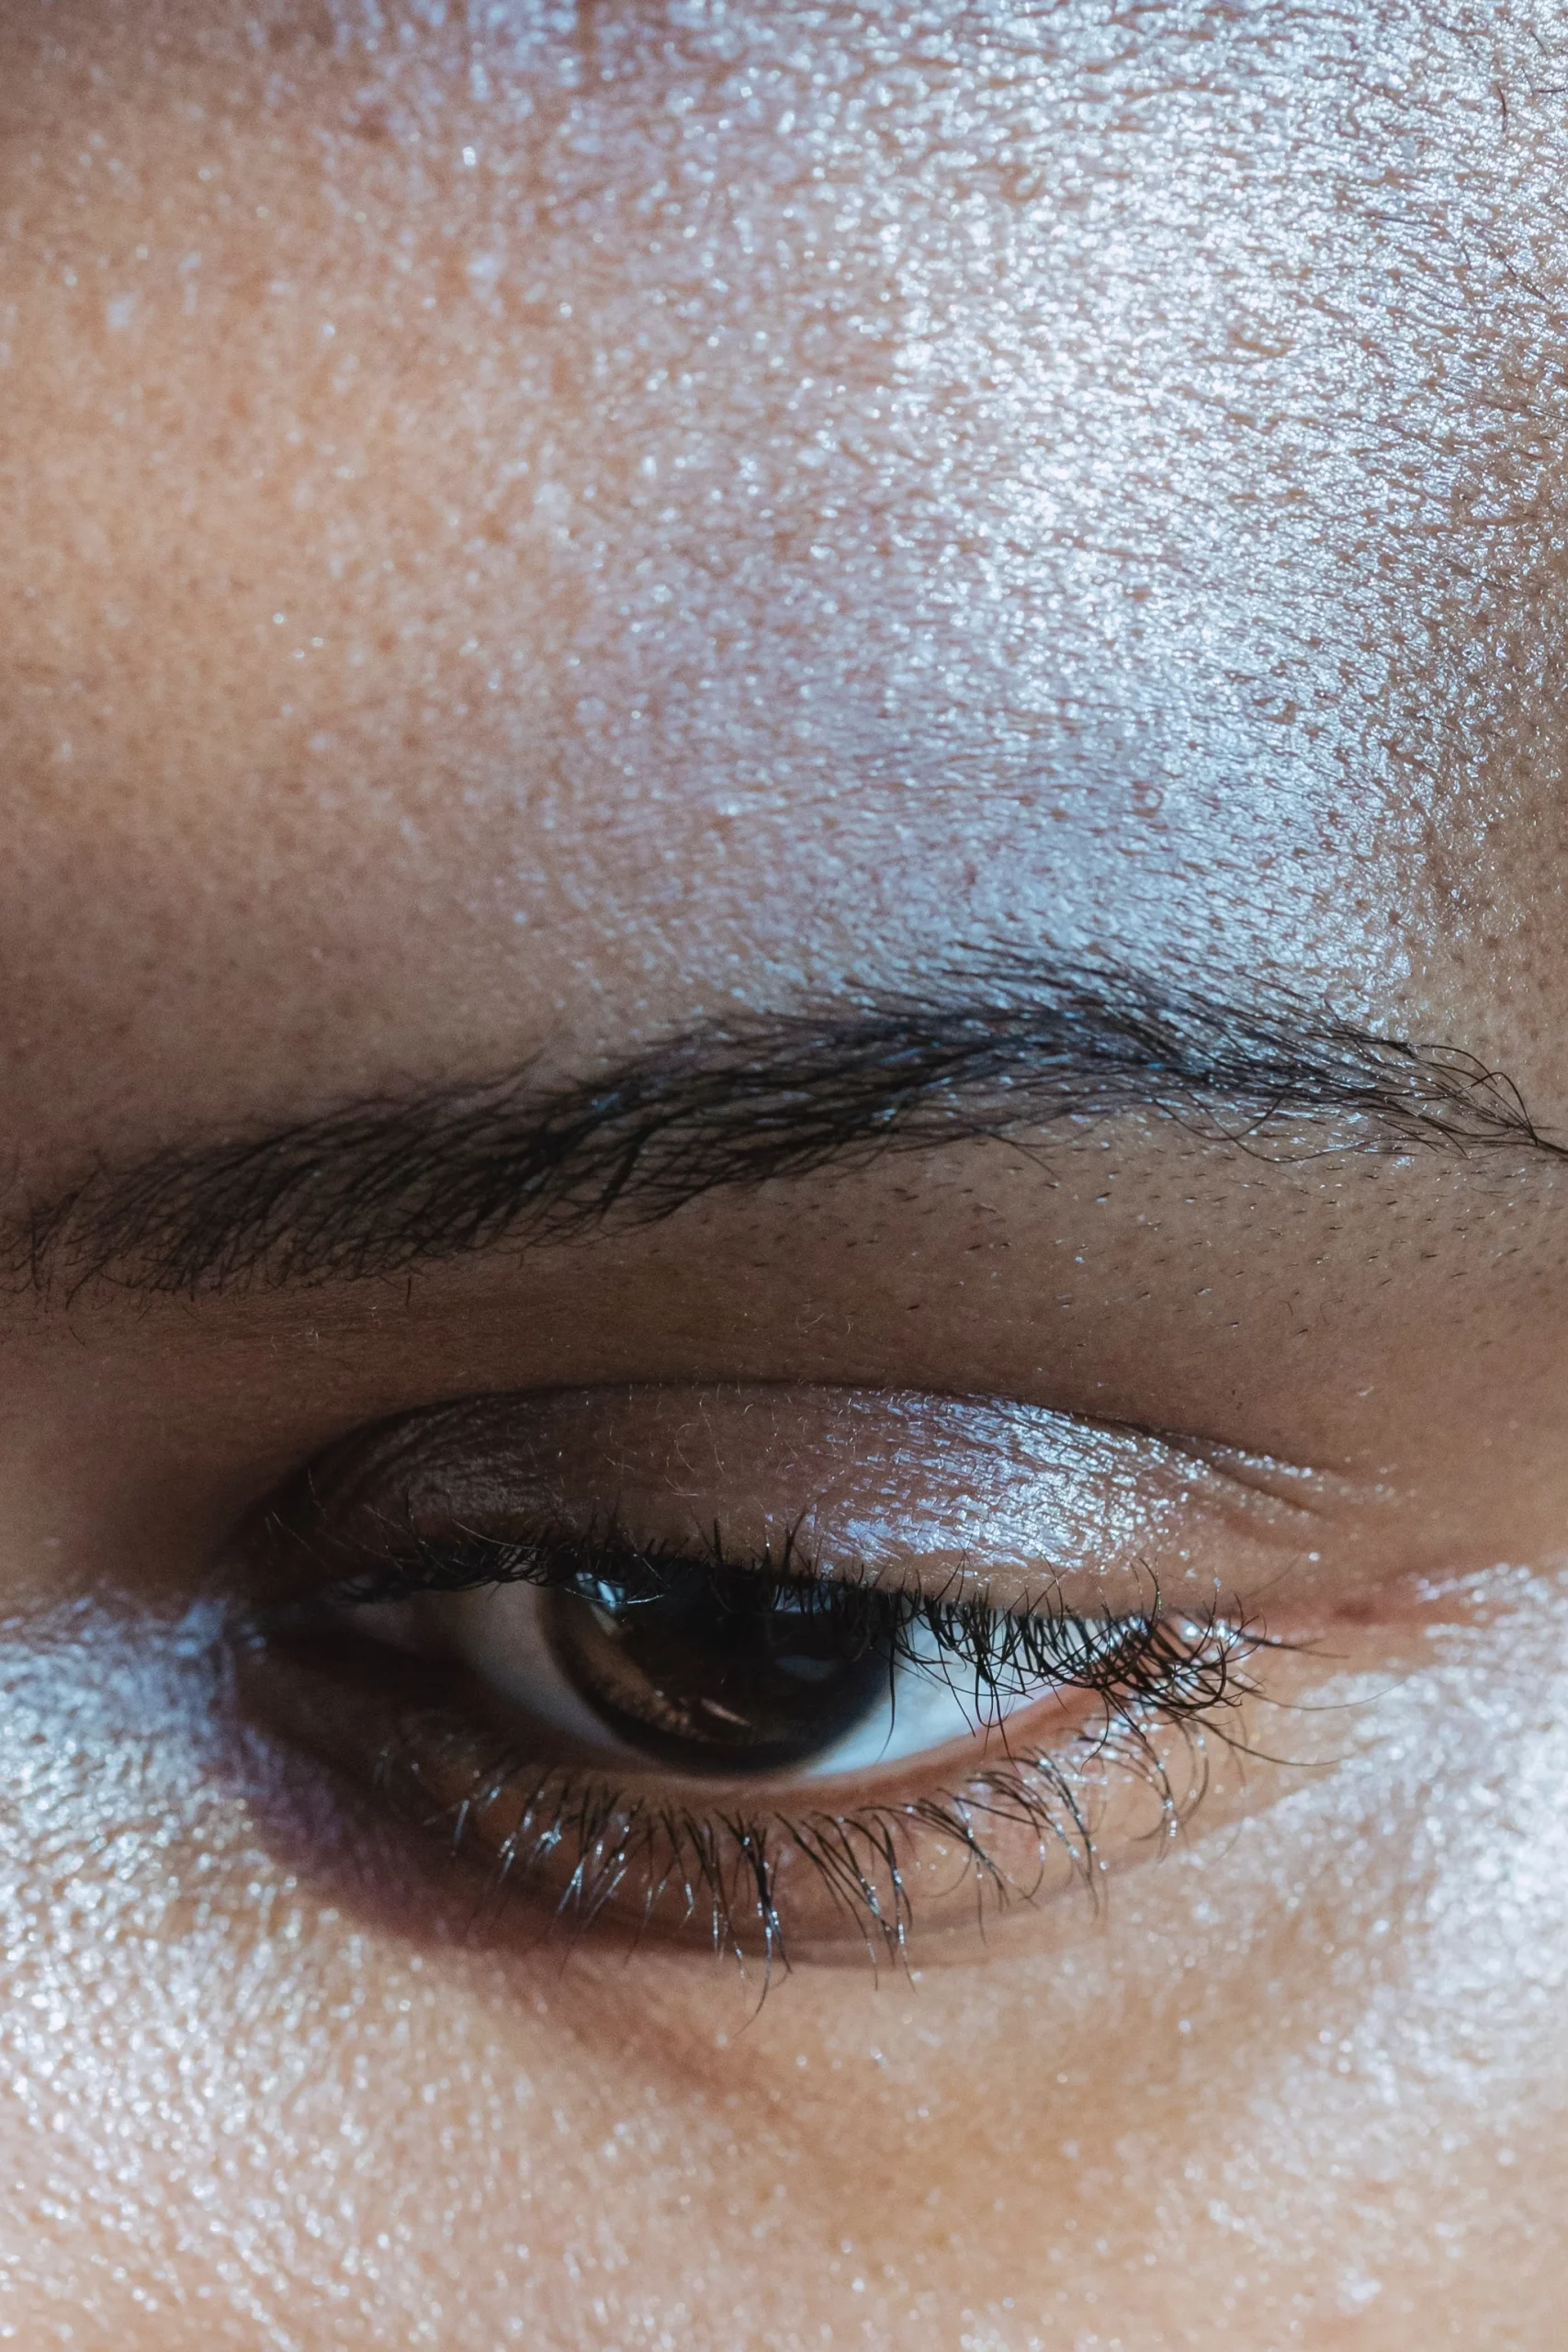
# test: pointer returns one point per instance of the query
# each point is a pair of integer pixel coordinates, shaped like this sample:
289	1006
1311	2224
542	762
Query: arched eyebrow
1008	1048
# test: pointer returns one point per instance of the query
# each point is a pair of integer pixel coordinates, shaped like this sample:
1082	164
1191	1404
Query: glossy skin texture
527	534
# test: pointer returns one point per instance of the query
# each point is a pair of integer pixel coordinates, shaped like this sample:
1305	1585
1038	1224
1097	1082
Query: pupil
716	1670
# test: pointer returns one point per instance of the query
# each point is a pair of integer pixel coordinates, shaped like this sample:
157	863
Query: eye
767	1741
685	1660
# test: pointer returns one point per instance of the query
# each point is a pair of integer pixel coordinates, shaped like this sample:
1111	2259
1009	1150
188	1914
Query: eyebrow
1007	1048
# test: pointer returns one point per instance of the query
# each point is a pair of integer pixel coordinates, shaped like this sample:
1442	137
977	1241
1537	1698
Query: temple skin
532	531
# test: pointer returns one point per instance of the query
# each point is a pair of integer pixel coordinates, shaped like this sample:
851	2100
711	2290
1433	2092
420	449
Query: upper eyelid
377	1456
1221	1518
405	1569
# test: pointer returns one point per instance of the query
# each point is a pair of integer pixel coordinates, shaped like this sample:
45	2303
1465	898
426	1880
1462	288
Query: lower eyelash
741	1875
722	1868
659	1866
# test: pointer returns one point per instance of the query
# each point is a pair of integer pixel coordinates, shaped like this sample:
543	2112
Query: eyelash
720	1867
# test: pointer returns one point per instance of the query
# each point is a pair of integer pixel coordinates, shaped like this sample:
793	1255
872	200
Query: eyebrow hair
1009	1048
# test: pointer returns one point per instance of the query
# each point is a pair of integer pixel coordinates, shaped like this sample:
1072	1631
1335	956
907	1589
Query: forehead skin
528	526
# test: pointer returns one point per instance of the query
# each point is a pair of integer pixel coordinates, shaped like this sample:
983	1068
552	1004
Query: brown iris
714	1672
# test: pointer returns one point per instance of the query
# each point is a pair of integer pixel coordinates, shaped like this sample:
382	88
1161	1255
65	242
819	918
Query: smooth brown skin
813	492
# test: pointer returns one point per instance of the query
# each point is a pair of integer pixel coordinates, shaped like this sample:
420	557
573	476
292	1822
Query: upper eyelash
1139	1659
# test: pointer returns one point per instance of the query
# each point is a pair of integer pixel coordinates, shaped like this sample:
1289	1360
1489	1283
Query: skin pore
539	534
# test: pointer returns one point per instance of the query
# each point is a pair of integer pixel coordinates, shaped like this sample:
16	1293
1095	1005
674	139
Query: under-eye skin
751	1746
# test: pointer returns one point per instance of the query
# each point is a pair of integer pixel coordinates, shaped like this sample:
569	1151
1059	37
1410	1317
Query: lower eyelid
897	1816
941	1848
469	1738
